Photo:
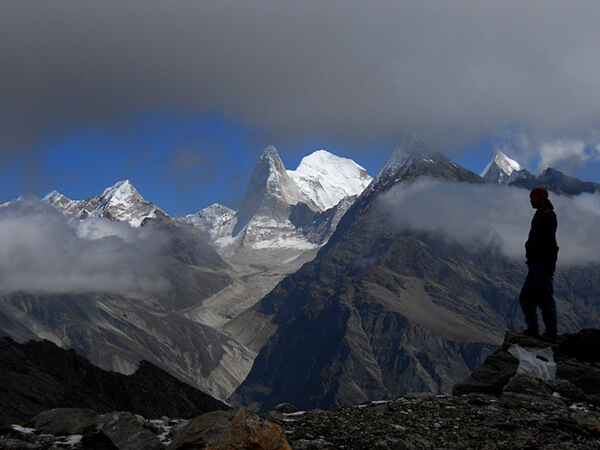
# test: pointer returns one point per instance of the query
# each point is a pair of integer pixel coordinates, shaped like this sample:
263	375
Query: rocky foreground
500	406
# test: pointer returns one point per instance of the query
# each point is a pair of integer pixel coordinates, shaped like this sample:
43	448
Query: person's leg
547	304
528	301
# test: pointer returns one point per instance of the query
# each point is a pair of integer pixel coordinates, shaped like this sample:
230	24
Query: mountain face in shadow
558	182
383	311
36	376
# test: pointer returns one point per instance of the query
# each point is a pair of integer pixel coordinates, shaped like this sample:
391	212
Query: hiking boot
532	332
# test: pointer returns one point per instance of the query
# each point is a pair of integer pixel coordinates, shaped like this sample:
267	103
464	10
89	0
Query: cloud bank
488	216
450	71
42	251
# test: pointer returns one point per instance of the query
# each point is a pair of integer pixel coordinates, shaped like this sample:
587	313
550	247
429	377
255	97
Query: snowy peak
121	202
503	170
122	193
326	179
213	219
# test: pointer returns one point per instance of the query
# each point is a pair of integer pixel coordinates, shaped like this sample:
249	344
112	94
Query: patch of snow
70	441
21	429
579	407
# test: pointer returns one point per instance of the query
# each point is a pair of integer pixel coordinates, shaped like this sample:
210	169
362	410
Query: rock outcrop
577	367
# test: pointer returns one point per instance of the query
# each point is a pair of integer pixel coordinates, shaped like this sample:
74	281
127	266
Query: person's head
538	197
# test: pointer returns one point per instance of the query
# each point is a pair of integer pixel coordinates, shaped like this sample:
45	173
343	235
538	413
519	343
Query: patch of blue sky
180	163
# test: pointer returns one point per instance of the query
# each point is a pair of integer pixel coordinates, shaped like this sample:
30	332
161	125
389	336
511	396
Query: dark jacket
541	248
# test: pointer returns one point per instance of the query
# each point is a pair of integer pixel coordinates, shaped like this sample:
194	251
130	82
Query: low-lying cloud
41	250
490	216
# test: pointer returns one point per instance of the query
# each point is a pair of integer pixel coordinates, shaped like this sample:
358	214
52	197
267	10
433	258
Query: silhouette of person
541	251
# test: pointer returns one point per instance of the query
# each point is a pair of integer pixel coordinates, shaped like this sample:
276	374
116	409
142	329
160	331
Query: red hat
541	192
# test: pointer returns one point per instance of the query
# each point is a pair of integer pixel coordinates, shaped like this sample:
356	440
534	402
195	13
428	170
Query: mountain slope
59	378
118	293
384	310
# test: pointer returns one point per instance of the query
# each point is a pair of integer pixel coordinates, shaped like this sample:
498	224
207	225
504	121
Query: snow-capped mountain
326	178
503	170
284	208
214	220
121	202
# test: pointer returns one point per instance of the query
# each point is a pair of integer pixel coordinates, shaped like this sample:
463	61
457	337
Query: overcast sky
181	96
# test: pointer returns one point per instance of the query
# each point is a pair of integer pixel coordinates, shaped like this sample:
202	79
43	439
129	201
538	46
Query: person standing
541	252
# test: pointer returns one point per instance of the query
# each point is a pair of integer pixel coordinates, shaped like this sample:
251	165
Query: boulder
128	431
577	358
63	421
491	376
228	430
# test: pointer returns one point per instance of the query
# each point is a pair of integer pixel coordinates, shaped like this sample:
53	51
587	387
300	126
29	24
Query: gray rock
63	421
286	408
128	431
491	376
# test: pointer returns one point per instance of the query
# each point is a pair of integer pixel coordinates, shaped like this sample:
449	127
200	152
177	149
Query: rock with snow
326	179
577	372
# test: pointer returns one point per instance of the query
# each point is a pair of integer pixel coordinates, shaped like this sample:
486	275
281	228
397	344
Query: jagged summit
270	153
409	150
503	162
121	202
122	192
504	170
53	197
270	192
326	178
415	159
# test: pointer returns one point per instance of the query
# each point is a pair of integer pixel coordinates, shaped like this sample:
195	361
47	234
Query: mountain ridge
62	378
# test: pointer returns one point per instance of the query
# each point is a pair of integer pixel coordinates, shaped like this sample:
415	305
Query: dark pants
538	292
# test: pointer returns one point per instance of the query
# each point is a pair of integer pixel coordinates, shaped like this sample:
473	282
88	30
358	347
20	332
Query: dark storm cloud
451	71
41	250
490	216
